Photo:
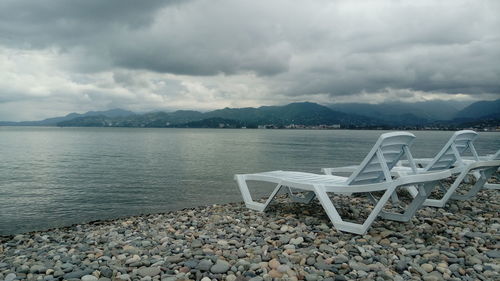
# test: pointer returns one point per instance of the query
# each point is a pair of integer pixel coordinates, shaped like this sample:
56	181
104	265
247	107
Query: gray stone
77	274
204	265
401	266
323	266
58	273
89	278
191	263
341	259
241	253
360	266
38	268
174	259
23	269
106	272
471	251
10	277
427	267
296	241
473	261
493	254
196	243
312	277
326	248
476	234
123	277
310	261
283	268
149	271
220	266
412	253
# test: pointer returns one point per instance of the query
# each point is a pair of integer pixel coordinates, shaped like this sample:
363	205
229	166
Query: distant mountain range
353	115
308	114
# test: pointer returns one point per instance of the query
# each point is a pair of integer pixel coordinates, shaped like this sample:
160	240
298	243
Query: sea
53	177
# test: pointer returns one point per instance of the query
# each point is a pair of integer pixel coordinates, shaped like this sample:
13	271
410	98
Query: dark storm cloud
25	23
227	48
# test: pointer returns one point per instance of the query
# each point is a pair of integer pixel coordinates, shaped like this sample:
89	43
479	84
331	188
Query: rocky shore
289	242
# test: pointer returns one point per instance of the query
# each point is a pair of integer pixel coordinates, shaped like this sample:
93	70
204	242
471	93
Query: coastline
289	242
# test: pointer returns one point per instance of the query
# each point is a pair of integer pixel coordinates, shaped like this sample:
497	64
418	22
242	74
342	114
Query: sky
59	56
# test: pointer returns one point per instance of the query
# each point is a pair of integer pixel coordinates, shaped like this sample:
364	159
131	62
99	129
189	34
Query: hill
112	113
398	113
480	110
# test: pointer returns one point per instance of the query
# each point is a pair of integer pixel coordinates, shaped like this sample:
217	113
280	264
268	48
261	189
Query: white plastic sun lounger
450	157
371	176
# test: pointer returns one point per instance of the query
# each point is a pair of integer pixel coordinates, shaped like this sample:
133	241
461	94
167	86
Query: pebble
204	265
10	277
89	278
427	267
296	241
220	266
149	271
291	241
274	264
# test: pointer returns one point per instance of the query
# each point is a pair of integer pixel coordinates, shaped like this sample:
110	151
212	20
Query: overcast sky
62	56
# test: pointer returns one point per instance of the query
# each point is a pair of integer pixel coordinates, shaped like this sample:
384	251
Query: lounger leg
413	190
441	202
480	182
423	192
337	221
494	186
247	197
394	198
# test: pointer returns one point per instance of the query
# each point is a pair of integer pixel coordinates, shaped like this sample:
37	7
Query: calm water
60	176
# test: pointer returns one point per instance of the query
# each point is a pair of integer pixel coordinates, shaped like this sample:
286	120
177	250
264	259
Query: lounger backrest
452	152
387	151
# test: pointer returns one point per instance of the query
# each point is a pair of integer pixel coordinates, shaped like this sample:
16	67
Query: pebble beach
291	241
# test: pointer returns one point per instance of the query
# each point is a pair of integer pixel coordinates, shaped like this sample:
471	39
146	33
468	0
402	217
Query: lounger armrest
483	164
423	177
422	162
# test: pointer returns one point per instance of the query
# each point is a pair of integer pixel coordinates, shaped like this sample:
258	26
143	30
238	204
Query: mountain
112	113
480	110
305	113
398	113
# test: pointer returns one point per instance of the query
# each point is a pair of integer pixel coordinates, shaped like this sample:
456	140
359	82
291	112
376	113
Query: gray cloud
226	52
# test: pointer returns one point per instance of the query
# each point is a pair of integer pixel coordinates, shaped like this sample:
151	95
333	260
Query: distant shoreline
291	129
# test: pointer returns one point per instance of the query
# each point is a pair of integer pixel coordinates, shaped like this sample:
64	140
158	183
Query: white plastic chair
372	175
450	157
